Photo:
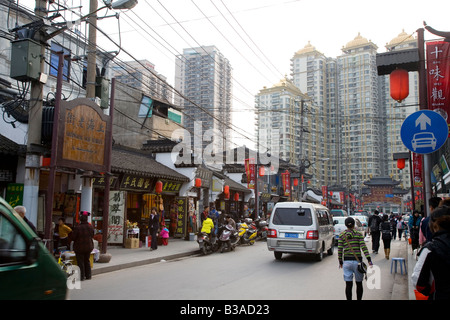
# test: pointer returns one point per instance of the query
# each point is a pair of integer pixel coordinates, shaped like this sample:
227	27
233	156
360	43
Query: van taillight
271	233
312	235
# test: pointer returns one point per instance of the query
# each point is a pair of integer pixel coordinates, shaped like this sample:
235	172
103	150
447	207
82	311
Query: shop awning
407	59
134	162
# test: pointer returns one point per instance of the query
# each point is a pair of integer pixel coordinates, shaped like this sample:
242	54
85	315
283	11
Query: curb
142	262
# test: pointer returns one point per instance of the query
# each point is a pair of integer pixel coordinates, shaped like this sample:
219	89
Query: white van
300	227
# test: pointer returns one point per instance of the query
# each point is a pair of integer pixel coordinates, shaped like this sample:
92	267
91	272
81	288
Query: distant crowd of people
429	238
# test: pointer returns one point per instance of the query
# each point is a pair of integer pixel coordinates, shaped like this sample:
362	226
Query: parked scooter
206	244
247	234
228	238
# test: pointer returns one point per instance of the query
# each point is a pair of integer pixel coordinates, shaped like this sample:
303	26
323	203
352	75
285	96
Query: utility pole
86	188
92	50
33	156
423	101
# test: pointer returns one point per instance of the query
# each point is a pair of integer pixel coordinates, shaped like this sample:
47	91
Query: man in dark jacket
374	229
431	276
83	244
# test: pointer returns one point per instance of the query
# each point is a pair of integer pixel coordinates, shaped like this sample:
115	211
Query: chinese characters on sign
14	194
417	170
133	182
286	179
84	135
250	170
438	69
171	186
182	209
116	216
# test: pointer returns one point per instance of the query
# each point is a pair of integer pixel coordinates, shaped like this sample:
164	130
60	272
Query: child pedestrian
164	235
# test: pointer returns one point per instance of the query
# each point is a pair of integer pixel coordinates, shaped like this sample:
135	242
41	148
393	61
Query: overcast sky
259	37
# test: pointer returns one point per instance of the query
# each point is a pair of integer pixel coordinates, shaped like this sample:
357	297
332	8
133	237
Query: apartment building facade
353	121
203	76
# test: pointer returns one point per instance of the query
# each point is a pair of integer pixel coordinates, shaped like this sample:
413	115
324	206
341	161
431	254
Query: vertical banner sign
417	170
286	179
438	70
182	211
324	195
116	216
250	170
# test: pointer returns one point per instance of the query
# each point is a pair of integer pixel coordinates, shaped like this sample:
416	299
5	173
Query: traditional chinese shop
138	184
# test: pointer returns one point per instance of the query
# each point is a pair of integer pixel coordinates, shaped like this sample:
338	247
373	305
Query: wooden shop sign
83	132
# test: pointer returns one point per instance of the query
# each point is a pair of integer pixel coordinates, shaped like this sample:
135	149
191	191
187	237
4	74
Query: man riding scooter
206	238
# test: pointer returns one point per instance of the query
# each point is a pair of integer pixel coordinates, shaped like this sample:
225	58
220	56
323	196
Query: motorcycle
246	233
228	237
206	244
261	228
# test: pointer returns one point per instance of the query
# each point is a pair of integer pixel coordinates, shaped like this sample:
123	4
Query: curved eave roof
136	163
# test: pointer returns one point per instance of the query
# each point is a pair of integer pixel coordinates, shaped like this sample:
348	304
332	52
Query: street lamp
120	4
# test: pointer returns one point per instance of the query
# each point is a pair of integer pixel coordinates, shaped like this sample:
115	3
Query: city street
249	273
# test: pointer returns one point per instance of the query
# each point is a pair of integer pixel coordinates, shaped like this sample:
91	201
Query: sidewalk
126	258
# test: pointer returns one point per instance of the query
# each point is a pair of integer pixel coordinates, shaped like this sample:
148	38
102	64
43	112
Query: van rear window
292	217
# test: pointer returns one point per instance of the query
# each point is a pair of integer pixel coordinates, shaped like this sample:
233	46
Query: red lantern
236	197
158	187
262	171
226	190
401	163
295	182
399	84
198	182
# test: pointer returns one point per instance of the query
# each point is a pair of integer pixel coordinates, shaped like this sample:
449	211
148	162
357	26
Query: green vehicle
27	269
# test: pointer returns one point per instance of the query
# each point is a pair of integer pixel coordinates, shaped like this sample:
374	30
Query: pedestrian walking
386	235
430	276
414	224
374	229
393	222
153	227
350	245
400	227
83	244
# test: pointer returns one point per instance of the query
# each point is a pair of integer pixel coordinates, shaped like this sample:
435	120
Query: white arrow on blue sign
424	131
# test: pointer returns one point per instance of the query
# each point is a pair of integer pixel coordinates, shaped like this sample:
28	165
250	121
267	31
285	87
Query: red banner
286	179
250	170
438	70
417	170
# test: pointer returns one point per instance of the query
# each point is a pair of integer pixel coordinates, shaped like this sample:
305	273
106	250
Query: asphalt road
248	273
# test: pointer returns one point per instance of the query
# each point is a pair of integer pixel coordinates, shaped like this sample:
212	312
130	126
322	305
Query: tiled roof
10	147
139	163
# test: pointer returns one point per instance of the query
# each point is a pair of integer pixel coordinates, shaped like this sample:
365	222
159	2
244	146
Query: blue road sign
424	131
